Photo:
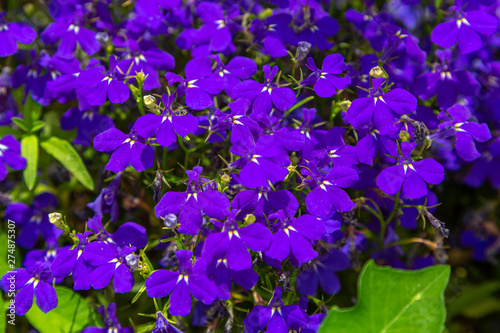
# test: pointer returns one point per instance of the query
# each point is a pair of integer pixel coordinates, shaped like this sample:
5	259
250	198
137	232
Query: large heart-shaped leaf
394	300
71	315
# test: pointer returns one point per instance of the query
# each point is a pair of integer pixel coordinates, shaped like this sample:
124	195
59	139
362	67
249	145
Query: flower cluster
235	178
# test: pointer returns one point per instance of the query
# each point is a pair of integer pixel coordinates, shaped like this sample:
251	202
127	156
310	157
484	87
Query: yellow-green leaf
29	150
64	152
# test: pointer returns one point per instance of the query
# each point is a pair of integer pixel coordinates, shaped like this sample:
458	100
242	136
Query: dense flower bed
221	164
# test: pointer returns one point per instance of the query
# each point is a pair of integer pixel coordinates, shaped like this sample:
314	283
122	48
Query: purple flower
317	28
190	279
379	107
70	30
327	196
111	322
372	144
167	125
88	124
262	202
445	82
148	61
10	155
231	245
293	238
106	202
265	95
261	162
336	152
277	317
128	150
216	32
465	28
127	234
199	85
326	80
96	83
70	261
29	284
466	132
163	326
321	271
190	205
33	220
236	69
13	33
409	175
274	33
109	262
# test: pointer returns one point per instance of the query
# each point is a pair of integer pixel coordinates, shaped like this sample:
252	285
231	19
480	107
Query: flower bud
377	72
303	49
170	221
404	136
345	105
133	261
249	219
57	220
150	101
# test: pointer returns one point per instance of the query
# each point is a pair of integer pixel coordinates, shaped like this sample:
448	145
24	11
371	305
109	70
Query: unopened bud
249	219
345	105
133	261
57	220
150	101
303	49
170	221
226	178
404	136
377	72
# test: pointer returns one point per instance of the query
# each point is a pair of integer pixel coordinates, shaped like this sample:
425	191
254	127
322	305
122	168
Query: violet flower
190	279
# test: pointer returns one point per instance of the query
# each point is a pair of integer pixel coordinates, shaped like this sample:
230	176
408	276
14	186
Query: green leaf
29	150
31	110
3	315
64	152
72	314
4	267
393	300
37	125
21	123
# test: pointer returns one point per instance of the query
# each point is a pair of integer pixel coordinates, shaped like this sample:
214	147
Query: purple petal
280	246
161	283
468	40
391	179
242	67
120	159
202	288
283	98
445	34
400	101
118	92
123	280
109	140
256	236
180	300
482	22
46	297
141	156
198	99
430	170
414	186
